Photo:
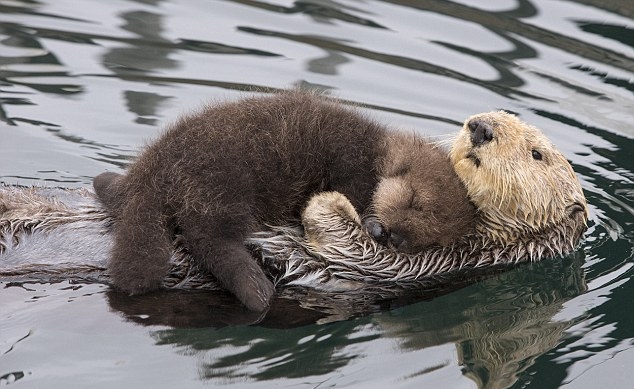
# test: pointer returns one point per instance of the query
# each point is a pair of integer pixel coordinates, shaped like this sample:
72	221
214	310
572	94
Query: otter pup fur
231	169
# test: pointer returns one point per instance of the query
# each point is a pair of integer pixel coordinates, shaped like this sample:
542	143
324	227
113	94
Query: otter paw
254	291
374	227
103	181
108	189
383	235
135	274
328	218
325	206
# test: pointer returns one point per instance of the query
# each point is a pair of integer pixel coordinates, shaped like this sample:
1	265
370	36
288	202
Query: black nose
481	132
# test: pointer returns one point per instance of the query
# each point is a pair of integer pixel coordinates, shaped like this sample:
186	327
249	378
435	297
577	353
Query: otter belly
51	232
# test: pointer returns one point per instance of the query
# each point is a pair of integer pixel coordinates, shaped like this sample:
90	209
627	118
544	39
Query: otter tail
142	247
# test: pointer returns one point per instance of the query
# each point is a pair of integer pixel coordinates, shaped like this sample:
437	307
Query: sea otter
521	184
221	174
536	210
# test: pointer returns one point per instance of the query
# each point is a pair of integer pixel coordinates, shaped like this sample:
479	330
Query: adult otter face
516	178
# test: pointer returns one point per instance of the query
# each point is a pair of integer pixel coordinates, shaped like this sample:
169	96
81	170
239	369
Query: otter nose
481	132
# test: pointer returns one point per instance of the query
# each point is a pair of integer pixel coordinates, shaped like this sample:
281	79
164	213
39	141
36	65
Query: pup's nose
481	132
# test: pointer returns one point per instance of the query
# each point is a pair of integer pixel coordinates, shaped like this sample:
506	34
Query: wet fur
518	195
47	234
234	168
418	197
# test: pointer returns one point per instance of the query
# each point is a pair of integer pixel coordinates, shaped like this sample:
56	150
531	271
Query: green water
85	84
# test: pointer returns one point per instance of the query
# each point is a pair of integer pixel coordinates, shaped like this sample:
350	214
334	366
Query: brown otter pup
232	169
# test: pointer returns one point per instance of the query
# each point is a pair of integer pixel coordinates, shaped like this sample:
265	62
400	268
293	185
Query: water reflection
29	65
501	23
502	326
149	57
499	327
321	11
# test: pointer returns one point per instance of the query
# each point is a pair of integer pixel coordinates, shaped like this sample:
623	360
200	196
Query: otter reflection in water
498	327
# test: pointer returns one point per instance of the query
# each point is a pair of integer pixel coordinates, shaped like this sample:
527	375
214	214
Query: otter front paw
327	208
329	217
382	234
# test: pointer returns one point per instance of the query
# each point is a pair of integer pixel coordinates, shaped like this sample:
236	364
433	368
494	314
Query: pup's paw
254	290
134	273
327	208
109	190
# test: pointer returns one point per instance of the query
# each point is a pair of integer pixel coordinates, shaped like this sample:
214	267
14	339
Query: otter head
520	183
419	201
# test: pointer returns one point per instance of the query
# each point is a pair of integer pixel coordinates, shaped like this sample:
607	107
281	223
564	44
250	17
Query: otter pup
232	169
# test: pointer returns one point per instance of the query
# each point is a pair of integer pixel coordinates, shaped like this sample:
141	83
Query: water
85	84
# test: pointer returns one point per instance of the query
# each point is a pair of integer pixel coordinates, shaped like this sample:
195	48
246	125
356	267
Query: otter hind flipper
142	249
239	273
217	241
109	189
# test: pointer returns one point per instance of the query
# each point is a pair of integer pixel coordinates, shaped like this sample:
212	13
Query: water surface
84	85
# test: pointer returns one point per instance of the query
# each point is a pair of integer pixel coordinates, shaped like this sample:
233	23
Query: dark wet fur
226	171
109	188
419	199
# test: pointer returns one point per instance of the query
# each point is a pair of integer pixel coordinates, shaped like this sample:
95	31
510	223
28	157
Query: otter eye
537	155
